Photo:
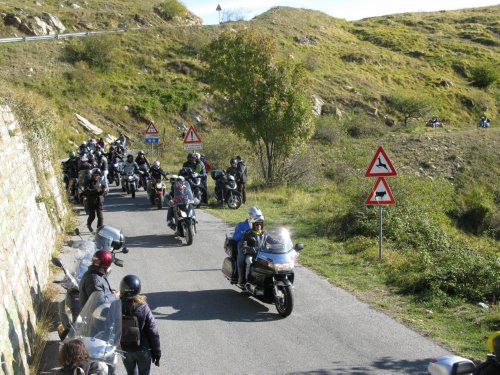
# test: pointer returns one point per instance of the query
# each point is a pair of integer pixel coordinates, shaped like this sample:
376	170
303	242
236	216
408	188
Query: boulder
88	125
317	105
54	22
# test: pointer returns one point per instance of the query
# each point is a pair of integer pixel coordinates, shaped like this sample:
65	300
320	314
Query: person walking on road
143	347
94	191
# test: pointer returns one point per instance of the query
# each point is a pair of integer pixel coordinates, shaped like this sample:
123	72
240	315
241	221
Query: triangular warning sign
380	166
192	136
151	129
380	194
218	9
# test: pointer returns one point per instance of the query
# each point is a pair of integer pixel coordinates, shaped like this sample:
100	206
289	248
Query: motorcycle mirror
125	250
77	231
118	262
57	262
299	246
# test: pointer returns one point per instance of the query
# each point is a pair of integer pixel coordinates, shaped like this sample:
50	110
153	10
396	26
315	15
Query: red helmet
102	258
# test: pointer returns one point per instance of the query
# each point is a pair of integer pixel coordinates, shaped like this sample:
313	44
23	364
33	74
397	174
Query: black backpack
131	333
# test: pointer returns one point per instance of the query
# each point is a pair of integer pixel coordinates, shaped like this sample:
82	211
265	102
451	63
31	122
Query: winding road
208	326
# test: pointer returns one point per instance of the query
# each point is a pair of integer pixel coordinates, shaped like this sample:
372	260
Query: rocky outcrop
47	24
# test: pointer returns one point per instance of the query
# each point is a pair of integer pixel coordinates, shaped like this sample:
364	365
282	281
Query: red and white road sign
380	166
192	136
380	194
151	129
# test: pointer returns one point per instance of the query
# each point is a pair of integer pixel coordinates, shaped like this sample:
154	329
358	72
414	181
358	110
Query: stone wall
31	210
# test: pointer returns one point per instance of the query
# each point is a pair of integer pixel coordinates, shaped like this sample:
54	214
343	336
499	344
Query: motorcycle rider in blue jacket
254	215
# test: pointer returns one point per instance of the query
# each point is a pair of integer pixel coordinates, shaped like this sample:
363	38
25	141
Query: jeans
141	359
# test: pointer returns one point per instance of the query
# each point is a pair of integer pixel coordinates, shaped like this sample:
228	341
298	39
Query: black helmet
130	286
141	152
130	157
233	162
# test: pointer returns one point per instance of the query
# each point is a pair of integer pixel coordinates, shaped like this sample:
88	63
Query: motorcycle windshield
278	241
99	326
86	250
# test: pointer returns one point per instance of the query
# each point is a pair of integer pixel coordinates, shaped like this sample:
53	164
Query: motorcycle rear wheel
285	306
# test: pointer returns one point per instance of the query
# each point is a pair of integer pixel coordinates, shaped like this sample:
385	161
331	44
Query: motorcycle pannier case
230	246
229	269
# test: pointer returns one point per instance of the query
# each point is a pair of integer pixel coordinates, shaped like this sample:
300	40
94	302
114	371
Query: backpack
131	333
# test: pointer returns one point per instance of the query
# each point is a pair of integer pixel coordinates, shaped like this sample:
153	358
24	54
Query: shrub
172	8
96	51
484	76
474	211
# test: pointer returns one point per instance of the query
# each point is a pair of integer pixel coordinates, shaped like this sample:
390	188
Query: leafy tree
410	105
263	98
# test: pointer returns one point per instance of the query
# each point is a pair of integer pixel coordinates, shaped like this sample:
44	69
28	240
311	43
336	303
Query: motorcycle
269	268
129	183
99	326
143	177
185	221
456	365
157	192
225	189
70	306
194	180
114	172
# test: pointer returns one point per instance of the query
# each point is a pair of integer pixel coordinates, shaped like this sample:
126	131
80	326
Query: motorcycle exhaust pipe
254	289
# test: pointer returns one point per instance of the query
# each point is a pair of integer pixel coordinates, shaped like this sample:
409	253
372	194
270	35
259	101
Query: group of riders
435	122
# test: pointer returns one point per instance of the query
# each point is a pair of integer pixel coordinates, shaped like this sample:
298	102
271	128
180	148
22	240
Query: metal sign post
381	194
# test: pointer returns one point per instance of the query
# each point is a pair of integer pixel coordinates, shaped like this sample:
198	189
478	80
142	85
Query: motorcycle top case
228	269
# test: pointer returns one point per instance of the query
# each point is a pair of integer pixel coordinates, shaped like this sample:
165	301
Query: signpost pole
380	232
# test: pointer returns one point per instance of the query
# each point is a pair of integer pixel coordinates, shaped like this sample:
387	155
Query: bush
96	51
172	8
484	76
474	211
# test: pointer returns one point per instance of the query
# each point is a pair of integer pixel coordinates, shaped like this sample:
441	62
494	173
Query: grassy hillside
440	239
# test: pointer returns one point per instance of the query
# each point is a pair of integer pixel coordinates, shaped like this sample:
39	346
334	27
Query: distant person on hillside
484	122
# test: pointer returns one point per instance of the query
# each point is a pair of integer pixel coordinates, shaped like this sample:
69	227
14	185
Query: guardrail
55	36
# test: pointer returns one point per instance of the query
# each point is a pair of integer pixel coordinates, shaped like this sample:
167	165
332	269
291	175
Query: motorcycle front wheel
132	191
117	182
284	304
188	233
234	201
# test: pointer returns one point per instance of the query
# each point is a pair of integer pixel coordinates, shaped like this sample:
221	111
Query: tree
263	98
410	105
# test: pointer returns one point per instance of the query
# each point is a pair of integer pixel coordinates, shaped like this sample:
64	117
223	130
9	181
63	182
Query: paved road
208	326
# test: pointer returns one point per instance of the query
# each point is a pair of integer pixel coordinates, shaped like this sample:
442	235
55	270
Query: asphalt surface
208	326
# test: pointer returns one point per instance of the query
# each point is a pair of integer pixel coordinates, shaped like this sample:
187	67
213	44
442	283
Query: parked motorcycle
157	191
225	189
270	273
99	326
129	183
456	365
107	237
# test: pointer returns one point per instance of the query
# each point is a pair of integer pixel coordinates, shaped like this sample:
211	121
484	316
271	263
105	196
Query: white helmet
156	164
254	215
196	155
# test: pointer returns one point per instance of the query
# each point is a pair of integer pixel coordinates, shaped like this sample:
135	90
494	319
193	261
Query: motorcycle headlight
158	185
183	213
131	178
281	267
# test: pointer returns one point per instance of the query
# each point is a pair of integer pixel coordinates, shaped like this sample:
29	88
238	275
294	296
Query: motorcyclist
191	162
182	195
156	173
255	215
202	172
102	164
134	304
434	122
484	122
233	169
95	278
241	178
492	364
70	169
83	149
143	163
130	166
